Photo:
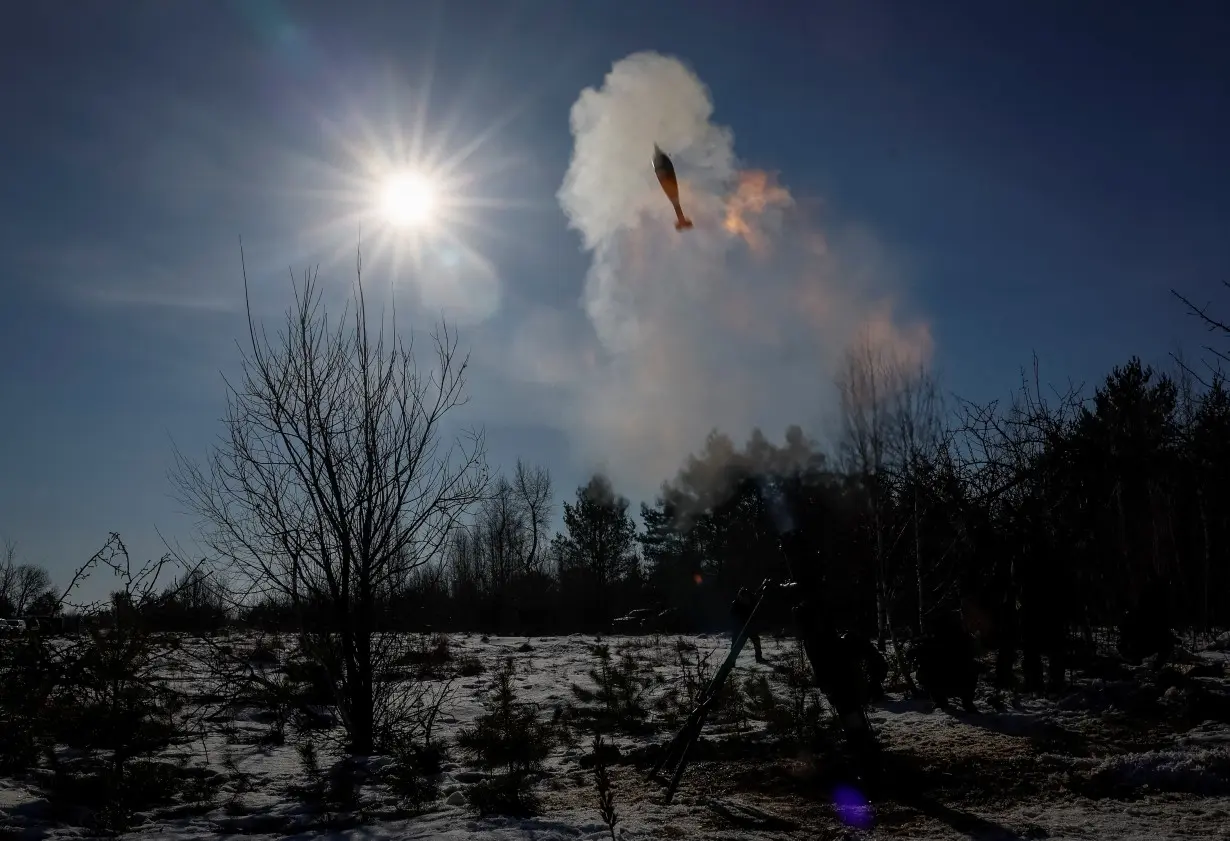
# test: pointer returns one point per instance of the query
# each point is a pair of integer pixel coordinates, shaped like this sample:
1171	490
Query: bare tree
917	415
331	483
8	574
500	532
503	545
1214	325
21	585
533	485
31	582
866	385
1012	452
464	567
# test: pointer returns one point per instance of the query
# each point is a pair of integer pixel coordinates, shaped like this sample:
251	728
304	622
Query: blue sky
1037	176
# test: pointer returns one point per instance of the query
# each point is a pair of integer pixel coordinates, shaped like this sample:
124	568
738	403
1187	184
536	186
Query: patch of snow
1176	791
1201	771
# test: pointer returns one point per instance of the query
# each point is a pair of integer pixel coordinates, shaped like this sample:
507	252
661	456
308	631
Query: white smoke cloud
739	322
610	189
647	99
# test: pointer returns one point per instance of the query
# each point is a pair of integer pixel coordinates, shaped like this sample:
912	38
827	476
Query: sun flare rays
414	198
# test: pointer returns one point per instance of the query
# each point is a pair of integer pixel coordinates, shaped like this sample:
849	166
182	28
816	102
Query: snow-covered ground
1086	765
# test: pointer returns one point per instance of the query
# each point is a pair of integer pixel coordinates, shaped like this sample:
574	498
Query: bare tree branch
333	481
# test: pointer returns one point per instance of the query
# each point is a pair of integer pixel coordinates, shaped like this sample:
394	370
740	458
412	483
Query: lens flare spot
852	807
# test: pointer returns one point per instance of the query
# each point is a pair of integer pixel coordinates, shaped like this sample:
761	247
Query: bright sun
408	199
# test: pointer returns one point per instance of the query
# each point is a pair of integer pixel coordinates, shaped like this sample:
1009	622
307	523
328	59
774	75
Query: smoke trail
735	323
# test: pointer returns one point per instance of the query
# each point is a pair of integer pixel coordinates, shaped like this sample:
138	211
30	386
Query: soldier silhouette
740	611
839	672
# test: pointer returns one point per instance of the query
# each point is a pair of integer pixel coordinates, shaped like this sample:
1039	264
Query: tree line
335	506
1043	516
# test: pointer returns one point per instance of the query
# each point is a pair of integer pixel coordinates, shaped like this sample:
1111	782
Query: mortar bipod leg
682	743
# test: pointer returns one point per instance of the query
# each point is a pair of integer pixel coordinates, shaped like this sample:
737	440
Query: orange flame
756	193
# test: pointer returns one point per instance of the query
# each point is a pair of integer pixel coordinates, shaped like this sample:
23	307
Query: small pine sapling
606	791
